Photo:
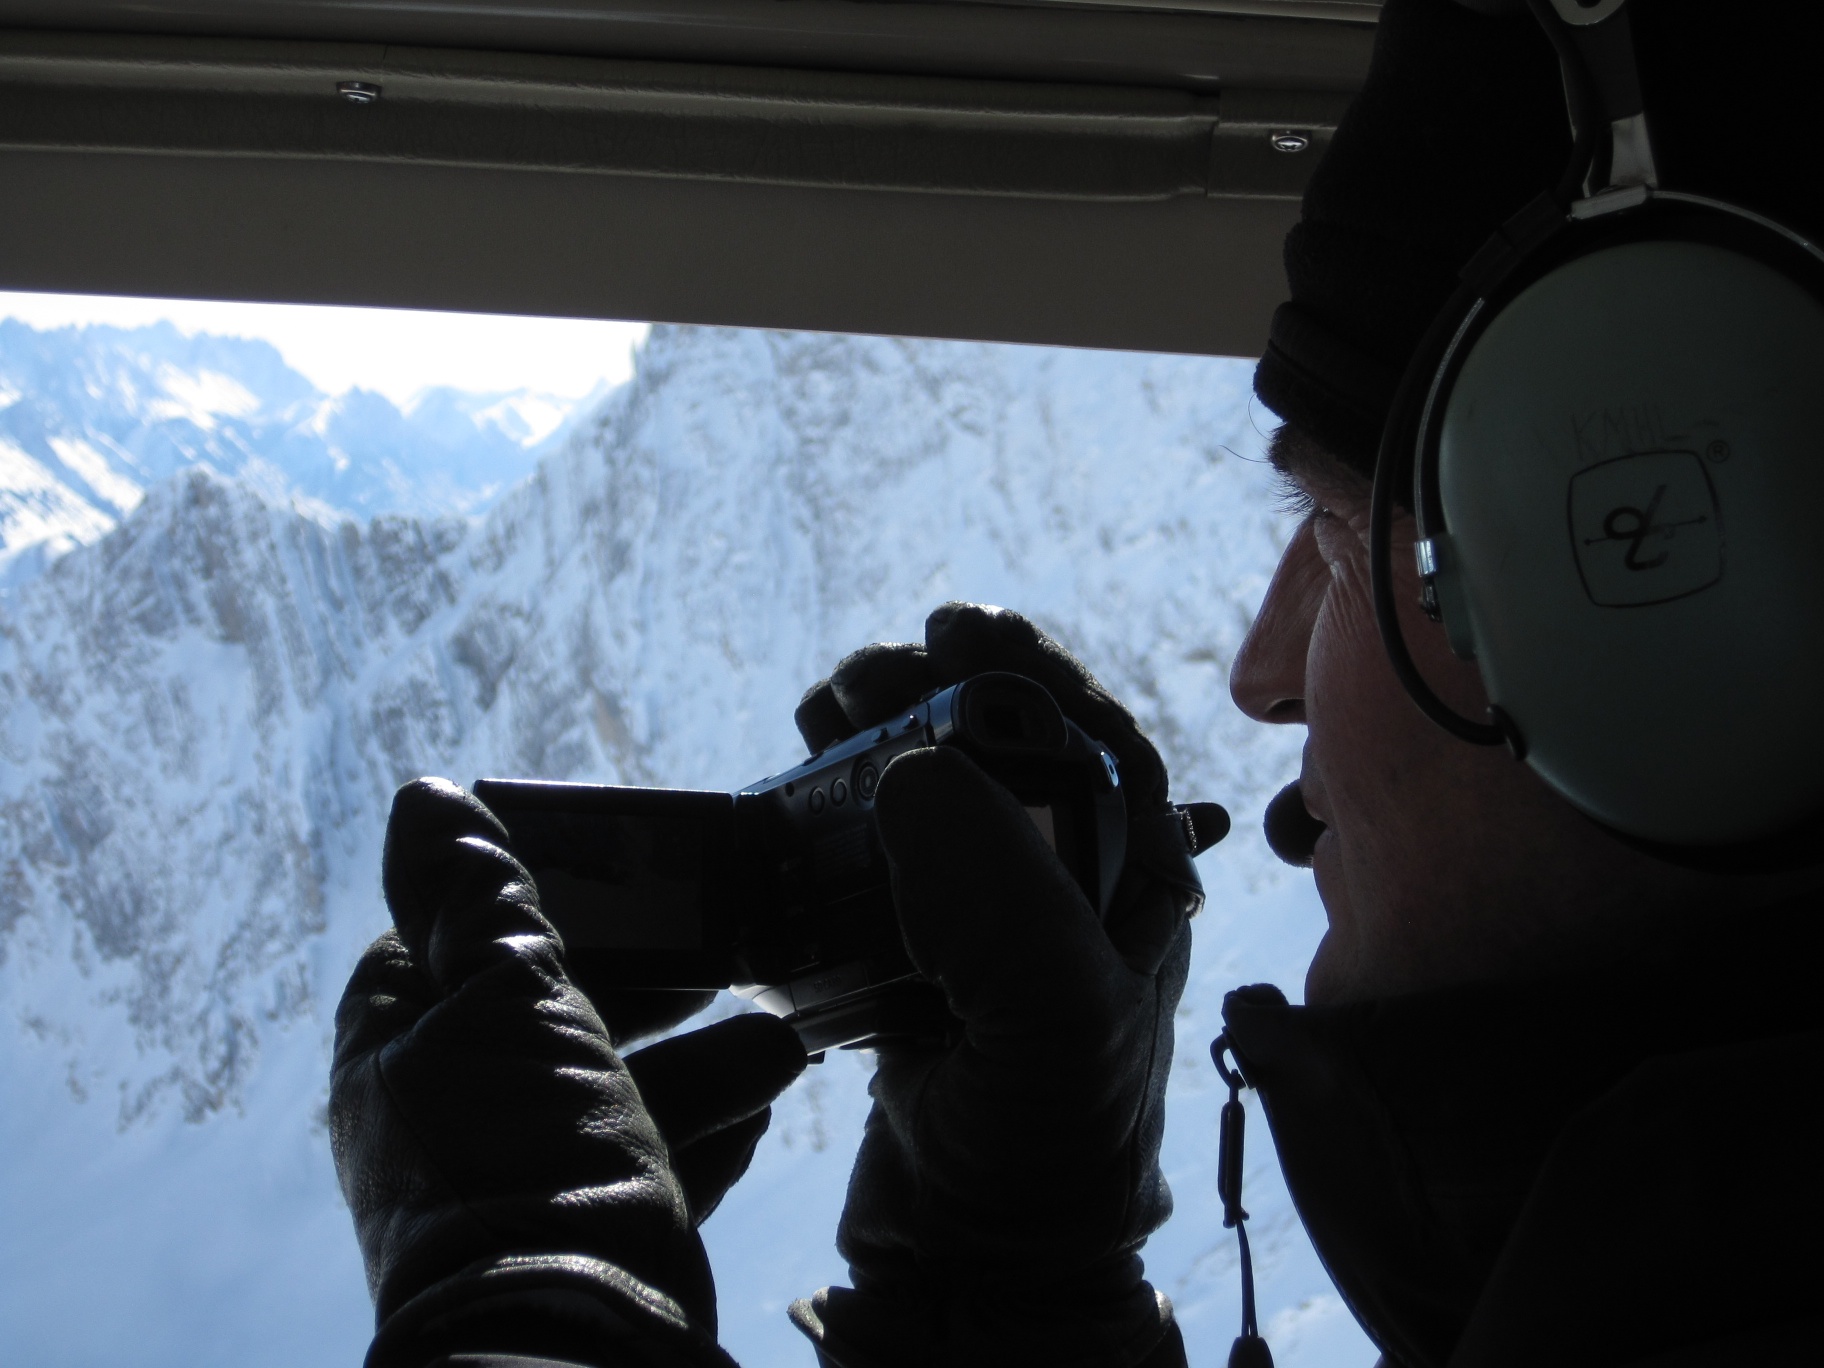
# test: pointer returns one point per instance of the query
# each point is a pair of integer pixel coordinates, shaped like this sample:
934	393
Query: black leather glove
517	1189
1005	1185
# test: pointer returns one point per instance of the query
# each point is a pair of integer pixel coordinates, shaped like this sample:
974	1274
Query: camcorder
781	891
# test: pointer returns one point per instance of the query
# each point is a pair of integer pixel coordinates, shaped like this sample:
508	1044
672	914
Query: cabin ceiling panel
864	166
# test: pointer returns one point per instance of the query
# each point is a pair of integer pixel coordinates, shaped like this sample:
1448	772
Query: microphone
1290	828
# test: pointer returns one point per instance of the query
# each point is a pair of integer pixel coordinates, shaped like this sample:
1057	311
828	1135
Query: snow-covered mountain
204	713
91	418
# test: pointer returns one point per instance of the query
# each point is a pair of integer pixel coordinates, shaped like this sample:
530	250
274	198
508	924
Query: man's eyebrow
1288	462
1307	471
1282	450
1297	456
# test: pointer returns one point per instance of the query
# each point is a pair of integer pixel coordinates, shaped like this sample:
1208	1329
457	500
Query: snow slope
91	417
204	713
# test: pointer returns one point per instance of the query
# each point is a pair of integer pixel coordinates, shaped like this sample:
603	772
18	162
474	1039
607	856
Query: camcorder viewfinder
780	891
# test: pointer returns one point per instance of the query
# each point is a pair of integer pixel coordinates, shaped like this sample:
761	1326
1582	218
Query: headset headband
1595	46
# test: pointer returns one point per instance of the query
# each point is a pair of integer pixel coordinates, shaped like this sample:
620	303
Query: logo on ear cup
1646	528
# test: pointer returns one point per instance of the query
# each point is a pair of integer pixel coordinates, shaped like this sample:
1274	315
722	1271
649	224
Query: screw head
1719	451
1289	141
358	92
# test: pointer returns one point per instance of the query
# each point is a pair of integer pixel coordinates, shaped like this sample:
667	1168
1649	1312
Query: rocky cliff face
206	712
176	707
203	715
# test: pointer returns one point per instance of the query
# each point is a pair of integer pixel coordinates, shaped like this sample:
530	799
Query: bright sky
395	351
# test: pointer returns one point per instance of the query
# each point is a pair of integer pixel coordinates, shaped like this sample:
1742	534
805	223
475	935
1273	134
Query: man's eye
1336	542
1308	510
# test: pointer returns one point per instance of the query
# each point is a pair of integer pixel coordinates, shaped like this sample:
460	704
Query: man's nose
1267	680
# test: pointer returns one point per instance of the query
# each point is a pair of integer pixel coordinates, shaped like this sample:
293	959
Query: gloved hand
1005	1185
516	1187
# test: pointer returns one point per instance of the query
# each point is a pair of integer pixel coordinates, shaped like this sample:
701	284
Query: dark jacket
1618	1169
1622	1170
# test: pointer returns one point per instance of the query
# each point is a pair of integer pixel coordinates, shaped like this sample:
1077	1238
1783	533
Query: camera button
839	793
816	800
867	779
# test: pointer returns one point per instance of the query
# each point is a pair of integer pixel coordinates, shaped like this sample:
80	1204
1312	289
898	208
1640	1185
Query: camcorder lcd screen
627	876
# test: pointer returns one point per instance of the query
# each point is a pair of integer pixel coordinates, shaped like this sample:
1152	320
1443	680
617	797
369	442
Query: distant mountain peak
91	417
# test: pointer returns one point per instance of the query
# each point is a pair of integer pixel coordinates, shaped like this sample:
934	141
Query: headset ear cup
1628	471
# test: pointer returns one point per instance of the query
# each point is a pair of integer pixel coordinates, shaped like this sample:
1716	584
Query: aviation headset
1614	438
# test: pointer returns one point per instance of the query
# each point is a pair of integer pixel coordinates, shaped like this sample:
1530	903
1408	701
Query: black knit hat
1461	122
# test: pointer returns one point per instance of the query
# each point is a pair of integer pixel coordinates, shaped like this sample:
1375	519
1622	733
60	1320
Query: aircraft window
260	564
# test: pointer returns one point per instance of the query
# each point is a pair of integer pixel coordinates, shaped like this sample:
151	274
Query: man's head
1440	863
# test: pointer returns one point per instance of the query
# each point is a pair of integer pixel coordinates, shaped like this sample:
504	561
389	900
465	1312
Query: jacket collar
1411	1131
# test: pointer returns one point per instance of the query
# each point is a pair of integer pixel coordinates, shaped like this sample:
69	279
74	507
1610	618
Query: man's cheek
1328	977
1349	685
1369	746
1328	873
